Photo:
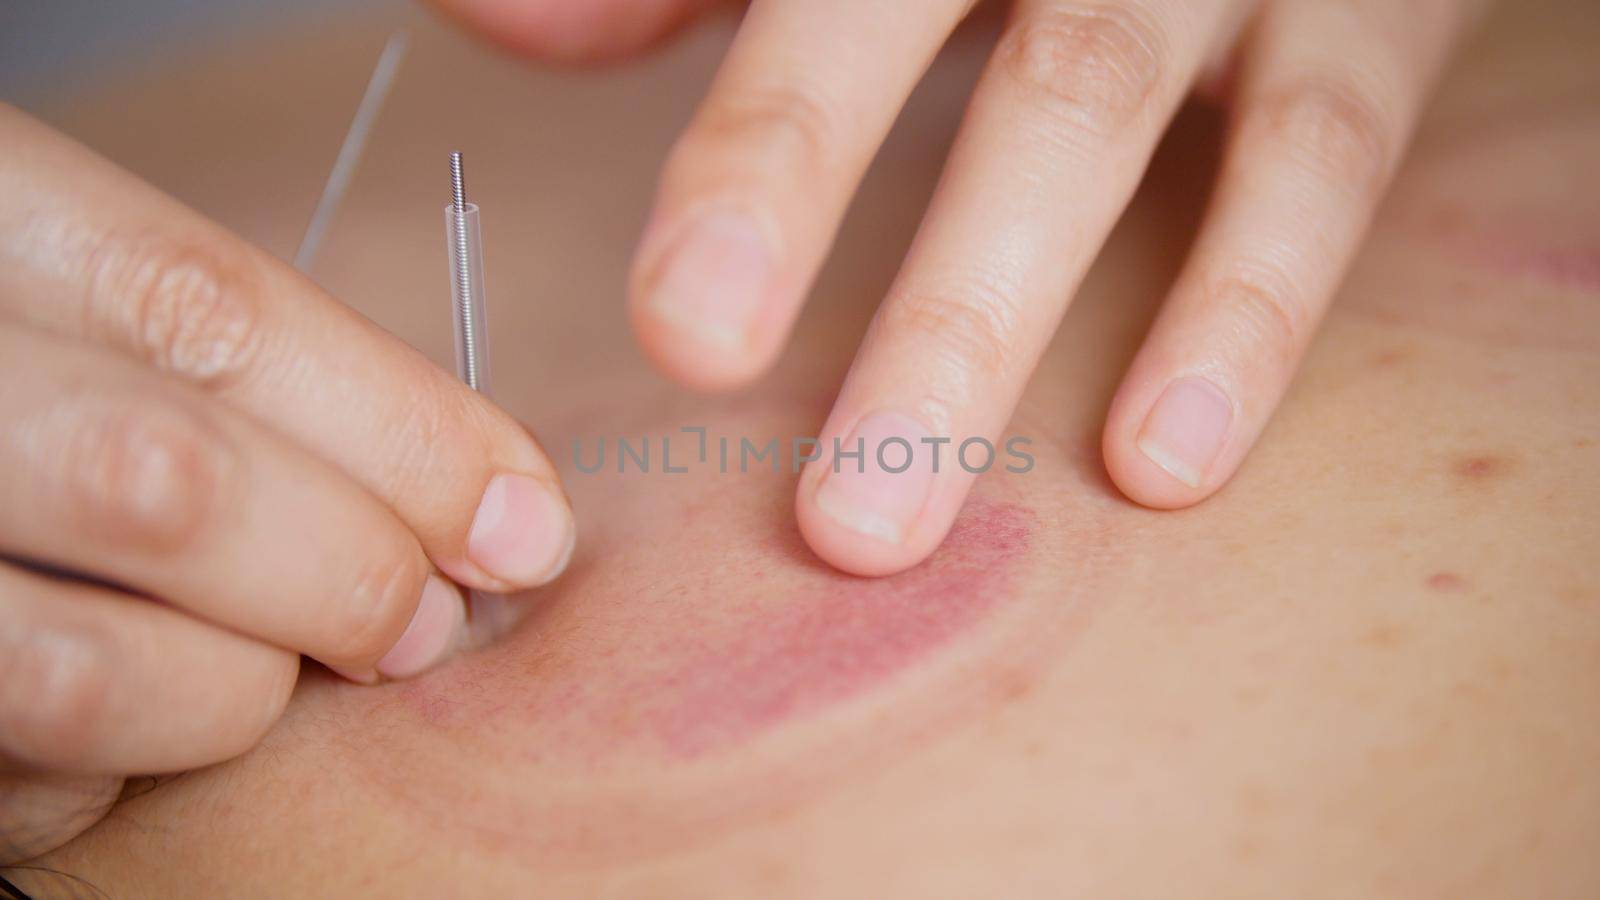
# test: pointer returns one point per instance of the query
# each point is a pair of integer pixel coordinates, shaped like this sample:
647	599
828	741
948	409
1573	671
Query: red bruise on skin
623	716
1569	268
1519	248
853	634
673	666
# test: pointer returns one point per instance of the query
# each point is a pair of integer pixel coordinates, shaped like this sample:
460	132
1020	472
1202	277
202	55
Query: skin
1057	133
1364	669
242	378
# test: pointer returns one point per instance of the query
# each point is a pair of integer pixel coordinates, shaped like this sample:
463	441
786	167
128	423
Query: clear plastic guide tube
488	614
466	287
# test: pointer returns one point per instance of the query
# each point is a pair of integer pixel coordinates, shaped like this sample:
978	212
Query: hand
238	470
1056	139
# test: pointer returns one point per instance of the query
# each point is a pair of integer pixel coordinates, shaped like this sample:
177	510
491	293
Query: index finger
146	275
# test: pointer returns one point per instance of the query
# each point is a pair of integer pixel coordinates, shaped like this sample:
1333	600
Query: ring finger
1056	139
1327	97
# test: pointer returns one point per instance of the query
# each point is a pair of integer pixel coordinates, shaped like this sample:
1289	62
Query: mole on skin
1481	467
685	669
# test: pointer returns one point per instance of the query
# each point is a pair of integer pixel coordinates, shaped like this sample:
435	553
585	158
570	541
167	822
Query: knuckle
58	690
1260	309
784	127
191	307
430	439
972	330
151	479
1094	64
377	606
1335	127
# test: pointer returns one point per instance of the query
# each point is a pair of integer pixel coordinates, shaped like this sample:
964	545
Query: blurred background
51	47
237	109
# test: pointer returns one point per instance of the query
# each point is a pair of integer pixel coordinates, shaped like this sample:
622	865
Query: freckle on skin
1013	685
1578	595
1250	695
1385	636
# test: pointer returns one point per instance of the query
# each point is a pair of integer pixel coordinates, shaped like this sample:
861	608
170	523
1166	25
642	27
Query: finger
144	482
1056	139
755	189
40	812
90	252
1326	102
582	32
1213	80
92	681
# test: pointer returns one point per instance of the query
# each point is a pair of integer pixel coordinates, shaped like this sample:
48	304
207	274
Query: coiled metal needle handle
468	304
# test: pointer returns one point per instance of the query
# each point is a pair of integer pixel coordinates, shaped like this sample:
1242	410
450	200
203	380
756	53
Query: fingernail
869	499
523	532
1186	429
435	631
714	280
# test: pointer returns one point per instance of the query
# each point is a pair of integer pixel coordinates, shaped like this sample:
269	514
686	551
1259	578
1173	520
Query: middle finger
1059	131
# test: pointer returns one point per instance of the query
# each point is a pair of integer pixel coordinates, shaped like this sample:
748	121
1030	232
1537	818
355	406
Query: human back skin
1369	667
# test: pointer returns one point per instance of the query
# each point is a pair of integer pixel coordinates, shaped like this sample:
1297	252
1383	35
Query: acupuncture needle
464	240
355	140
466	262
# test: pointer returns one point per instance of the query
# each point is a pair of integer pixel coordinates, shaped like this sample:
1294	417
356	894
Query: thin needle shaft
344	165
